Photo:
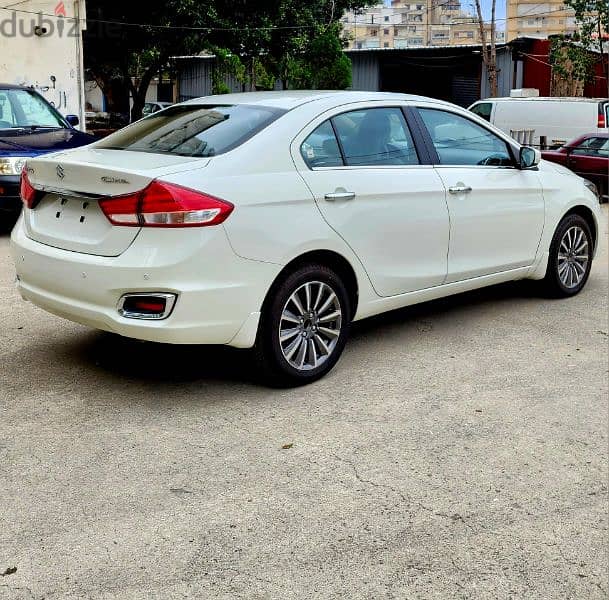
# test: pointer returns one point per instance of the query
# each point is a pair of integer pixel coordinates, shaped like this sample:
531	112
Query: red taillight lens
602	122
164	204
28	193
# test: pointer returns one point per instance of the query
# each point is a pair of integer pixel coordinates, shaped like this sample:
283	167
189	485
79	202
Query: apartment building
411	24
530	18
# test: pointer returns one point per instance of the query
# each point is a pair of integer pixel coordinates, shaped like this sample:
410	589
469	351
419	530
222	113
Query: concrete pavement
459	450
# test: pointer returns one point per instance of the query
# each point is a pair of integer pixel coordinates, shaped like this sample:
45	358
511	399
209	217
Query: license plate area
77	224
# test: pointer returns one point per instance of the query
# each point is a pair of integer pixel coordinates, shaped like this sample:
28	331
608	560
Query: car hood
35	143
552	166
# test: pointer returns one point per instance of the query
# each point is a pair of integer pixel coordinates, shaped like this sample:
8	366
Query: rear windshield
193	130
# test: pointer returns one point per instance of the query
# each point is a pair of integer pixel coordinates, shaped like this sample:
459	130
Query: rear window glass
193	130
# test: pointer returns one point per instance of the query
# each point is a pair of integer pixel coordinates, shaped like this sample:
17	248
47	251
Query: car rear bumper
219	294
9	194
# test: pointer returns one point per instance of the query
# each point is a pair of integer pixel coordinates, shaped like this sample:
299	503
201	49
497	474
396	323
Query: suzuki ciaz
273	220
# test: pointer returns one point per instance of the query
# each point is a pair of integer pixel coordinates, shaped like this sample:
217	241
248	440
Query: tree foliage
592	17
124	58
296	41
572	66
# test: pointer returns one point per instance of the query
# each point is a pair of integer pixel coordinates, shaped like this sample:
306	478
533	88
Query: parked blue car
29	126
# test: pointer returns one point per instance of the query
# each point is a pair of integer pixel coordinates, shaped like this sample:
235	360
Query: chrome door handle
340	196
460	189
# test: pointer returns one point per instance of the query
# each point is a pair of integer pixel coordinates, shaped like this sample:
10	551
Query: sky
486	8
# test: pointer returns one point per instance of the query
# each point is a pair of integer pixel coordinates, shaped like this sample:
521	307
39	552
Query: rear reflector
27	192
146	306
164	204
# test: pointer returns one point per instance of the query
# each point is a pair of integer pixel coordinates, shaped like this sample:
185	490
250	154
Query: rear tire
570	258
304	327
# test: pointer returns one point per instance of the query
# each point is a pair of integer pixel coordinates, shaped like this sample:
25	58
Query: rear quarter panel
276	219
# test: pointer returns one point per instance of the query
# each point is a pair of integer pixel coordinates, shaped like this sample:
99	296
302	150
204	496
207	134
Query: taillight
602	121
164	204
28	193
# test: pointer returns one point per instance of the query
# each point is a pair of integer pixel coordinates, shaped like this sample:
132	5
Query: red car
588	156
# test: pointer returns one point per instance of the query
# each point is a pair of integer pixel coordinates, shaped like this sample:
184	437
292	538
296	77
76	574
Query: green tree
123	58
297	41
592	16
572	66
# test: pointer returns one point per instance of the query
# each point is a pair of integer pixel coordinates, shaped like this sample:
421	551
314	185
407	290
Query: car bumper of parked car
9	194
218	294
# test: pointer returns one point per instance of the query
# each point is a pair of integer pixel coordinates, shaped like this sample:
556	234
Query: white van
558	120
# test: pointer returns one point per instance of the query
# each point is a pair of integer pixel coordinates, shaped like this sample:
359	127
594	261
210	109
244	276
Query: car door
365	173
496	209
590	159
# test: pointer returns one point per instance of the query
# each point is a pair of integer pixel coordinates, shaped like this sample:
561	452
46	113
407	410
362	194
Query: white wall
27	59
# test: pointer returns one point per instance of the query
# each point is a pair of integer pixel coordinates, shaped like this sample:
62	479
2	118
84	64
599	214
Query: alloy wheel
310	325
573	257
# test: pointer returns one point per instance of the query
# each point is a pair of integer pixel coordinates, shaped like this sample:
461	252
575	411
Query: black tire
553	284
270	353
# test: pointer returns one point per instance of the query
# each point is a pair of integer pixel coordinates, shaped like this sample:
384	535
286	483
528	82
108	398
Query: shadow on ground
187	363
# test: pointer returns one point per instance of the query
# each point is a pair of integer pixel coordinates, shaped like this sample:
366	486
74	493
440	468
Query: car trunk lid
68	215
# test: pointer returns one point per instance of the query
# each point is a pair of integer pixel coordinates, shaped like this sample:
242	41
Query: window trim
434	157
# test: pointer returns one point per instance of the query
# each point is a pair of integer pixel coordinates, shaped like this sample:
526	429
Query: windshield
483	110
25	108
193	130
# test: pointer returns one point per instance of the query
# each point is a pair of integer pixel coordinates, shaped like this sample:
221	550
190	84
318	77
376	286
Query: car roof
590	135
290	99
543	99
10	86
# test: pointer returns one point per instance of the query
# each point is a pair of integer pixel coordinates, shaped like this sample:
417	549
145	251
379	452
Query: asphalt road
459	450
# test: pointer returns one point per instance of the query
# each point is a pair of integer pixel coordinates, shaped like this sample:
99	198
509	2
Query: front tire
304	327
570	258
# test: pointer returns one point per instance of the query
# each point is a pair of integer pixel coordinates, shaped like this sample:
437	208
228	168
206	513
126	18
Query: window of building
385	44
385	31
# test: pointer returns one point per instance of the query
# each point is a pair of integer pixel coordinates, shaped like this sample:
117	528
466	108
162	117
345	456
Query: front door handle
460	189
340	196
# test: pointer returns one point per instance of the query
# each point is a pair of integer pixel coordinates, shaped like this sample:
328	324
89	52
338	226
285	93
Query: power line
473	20
151	26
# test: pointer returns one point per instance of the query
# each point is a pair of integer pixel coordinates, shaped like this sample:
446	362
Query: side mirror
529	157
73	120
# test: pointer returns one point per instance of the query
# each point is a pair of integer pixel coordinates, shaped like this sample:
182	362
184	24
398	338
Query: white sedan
273	220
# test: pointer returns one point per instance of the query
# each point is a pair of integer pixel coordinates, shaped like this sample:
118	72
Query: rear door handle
460	189
340	196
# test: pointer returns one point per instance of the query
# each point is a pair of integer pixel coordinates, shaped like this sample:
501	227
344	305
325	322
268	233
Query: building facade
412	24
41	47
533	19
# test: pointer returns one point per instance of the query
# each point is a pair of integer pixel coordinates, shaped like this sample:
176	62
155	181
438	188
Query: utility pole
489	51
